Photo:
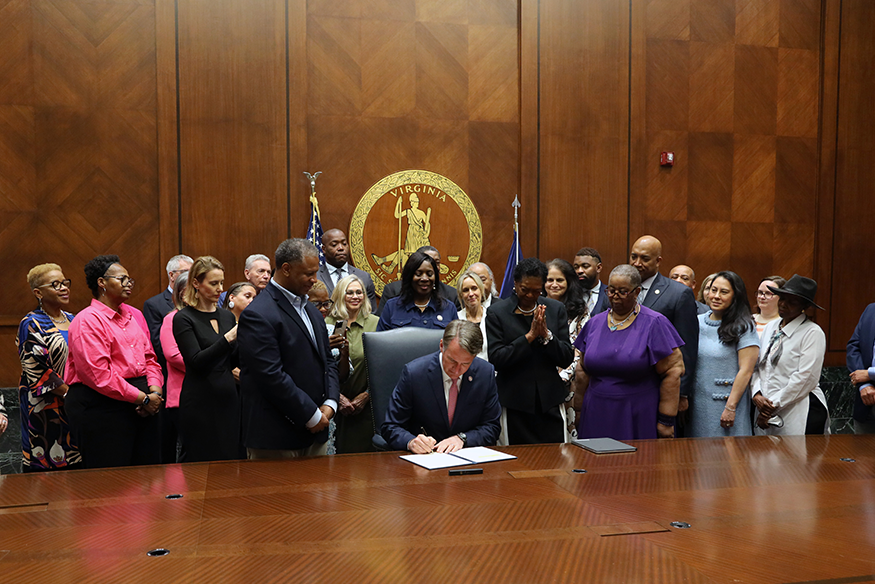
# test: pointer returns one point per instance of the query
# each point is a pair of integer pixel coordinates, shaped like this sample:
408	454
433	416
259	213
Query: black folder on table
603	445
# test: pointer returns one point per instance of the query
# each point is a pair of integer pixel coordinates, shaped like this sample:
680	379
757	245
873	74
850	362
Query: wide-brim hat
800	286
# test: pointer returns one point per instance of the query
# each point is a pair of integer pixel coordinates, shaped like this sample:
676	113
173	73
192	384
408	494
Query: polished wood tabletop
763	510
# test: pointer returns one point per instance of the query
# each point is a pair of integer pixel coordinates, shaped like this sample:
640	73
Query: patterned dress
46	442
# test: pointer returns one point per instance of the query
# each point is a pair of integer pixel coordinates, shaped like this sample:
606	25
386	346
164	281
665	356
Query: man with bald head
673	300
337	266
683	274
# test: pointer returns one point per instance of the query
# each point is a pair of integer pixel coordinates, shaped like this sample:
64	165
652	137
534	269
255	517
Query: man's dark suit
602	303
324	276
284	376
393	289
528	369
155	309
859	356
678	304
418	402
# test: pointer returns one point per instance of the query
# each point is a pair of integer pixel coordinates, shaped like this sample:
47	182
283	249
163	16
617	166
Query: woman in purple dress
627	381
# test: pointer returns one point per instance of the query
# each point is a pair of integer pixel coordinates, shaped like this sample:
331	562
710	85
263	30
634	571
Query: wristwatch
463	437
146	401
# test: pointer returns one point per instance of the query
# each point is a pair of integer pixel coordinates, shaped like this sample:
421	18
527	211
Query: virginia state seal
410	209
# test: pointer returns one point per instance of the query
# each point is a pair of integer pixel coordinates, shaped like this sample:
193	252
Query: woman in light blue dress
728	350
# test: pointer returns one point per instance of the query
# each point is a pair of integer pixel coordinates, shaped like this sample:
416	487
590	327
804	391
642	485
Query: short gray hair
468	333
628	272
293	251
494	291
254	258
174	264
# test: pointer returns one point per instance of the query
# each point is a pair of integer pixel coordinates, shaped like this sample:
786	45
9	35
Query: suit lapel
656	290
290	311
326	278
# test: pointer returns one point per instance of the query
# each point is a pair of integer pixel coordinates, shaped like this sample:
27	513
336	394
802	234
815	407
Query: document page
481	454
435	460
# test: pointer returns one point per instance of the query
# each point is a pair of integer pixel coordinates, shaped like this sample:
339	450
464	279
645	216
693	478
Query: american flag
314	228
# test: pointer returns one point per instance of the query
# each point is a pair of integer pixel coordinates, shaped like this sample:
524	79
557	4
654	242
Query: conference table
758	509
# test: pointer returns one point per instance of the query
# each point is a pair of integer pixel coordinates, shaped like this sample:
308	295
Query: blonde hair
477	280
339	311
318	286
198	271
36	274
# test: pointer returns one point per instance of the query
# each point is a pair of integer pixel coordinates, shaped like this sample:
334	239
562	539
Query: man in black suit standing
288	378
158	306
393	289
337	266
588	265
674	301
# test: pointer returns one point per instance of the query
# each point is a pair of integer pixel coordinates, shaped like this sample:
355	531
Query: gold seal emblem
407	210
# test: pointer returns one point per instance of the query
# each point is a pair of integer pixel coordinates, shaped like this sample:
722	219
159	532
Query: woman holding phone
351	314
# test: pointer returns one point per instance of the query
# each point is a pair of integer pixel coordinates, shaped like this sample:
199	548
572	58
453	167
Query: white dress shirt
796	374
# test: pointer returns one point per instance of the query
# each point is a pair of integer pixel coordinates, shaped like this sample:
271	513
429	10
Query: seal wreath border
404	177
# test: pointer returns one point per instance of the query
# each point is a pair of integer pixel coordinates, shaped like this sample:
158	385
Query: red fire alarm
666	159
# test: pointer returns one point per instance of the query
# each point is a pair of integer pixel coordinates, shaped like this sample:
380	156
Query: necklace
614	325
527	312
420	305
61	320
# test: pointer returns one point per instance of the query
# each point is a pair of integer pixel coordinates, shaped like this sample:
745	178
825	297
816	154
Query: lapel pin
440	317
656	291
470	378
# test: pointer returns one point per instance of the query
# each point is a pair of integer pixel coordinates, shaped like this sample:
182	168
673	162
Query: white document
435	460
481	454
463	457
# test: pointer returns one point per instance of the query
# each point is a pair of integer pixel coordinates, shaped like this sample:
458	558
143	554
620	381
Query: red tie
454	394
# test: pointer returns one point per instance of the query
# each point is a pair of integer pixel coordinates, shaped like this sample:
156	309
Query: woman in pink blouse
115	381
175	365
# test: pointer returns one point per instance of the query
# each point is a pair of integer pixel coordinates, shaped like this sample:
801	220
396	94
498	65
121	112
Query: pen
424	433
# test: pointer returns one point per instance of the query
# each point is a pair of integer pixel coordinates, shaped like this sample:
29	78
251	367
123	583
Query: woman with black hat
785	383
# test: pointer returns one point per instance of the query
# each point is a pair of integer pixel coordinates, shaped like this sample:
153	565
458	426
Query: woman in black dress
209	405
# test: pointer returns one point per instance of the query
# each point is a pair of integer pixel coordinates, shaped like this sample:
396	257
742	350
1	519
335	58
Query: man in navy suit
337	266
674	301
288	378
588	265
447	400
859	360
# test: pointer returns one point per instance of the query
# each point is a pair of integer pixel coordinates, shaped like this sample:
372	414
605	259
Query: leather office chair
386	354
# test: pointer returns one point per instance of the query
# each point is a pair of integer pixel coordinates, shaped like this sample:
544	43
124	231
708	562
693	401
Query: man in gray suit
671	299
337	266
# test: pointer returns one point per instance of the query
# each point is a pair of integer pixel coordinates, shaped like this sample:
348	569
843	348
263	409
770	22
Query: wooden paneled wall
150	127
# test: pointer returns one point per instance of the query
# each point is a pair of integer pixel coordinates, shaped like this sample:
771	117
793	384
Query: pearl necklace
420	305
614	325
527	312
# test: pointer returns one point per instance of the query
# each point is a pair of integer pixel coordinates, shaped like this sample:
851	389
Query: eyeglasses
766	294
57	284
326	304
621	293
125	281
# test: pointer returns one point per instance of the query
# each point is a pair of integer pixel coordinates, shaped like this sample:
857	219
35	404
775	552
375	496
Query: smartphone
340	328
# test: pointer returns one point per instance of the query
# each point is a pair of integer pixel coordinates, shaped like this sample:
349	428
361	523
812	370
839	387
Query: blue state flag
513	258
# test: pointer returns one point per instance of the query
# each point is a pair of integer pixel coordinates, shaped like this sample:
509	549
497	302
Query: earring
102	291
40	300
231	304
